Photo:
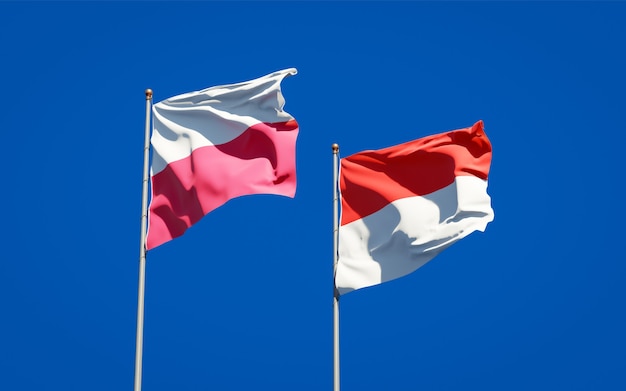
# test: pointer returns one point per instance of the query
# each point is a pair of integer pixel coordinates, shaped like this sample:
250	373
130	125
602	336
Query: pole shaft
336	381
142	247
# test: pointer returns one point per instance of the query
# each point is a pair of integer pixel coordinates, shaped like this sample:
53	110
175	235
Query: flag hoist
208	147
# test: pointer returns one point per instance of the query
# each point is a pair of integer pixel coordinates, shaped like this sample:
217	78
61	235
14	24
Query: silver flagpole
142	246
336	292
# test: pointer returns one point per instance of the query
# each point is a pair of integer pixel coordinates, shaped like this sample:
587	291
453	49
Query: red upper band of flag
403	205
216	144
415	168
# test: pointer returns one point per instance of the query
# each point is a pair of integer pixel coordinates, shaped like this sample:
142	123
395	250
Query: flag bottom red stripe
259	161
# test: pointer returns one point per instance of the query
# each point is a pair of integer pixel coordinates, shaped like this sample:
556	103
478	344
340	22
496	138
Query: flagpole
142	246
336	293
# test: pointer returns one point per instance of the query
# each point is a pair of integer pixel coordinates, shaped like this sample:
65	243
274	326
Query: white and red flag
403	205
216	144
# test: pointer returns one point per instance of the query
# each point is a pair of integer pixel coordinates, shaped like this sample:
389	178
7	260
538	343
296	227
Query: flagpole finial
148	94
335	148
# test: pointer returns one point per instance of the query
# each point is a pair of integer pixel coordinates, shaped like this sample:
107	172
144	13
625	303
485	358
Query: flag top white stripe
214	116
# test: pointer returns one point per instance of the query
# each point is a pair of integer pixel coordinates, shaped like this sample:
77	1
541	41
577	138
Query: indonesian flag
403	205
216	144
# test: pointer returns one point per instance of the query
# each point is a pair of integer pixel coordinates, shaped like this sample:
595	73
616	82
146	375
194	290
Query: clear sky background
243	301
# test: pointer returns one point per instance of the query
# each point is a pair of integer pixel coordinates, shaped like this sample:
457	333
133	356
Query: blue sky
243	301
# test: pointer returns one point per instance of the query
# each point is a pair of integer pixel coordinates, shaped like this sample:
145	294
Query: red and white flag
403	205
216	144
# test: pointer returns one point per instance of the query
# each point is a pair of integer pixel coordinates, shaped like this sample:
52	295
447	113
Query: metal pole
336	293
142	246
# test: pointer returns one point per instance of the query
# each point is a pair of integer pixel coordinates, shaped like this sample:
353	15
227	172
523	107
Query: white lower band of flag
407	233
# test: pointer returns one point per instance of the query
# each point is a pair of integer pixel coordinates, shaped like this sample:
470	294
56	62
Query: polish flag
216	144
403	205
